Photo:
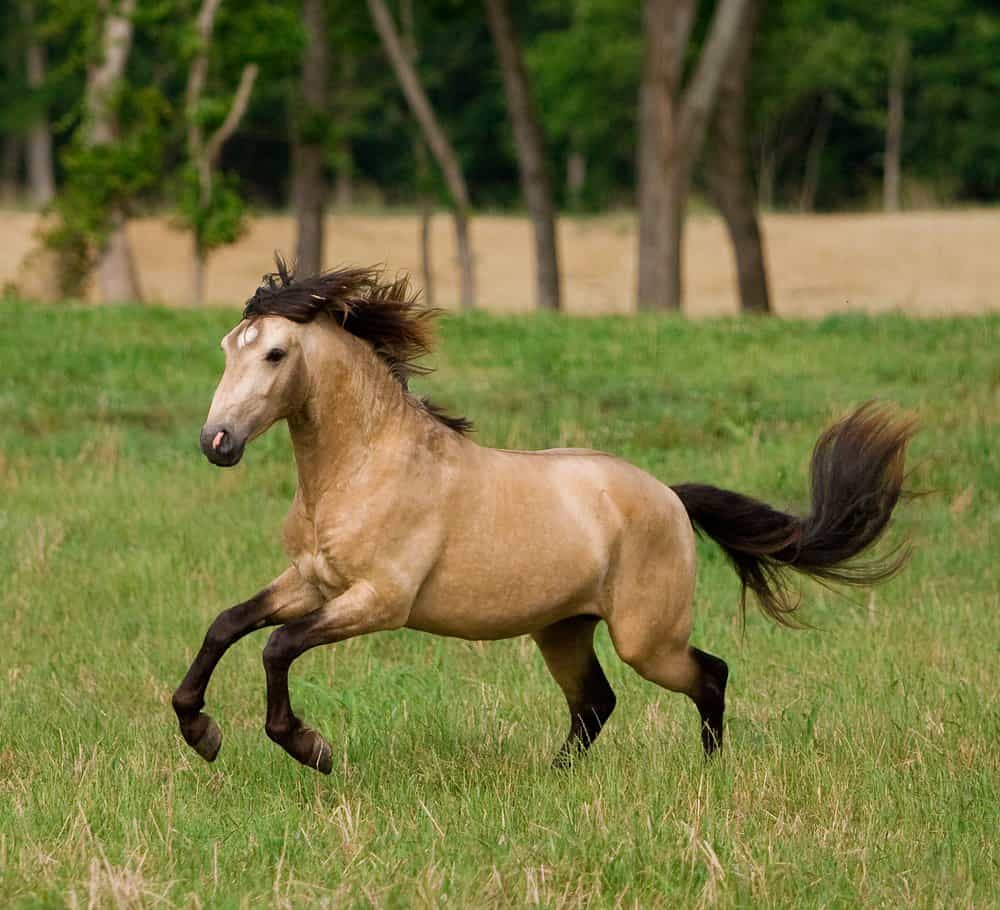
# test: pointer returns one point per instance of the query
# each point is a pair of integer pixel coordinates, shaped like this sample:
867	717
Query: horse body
534	538
399	520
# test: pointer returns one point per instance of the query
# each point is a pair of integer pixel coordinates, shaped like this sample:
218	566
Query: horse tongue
217	439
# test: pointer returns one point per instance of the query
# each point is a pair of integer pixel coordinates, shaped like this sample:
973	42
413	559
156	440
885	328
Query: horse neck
350	415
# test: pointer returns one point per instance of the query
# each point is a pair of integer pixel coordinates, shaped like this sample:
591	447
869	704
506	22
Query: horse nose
216	442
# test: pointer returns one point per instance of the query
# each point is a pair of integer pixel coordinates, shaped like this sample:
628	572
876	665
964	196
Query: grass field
863	760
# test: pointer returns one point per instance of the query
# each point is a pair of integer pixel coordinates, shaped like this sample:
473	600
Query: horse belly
516	577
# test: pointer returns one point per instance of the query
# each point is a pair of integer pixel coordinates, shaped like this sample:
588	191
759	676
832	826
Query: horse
401	520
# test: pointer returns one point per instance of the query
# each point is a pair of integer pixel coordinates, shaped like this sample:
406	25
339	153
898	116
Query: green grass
863	760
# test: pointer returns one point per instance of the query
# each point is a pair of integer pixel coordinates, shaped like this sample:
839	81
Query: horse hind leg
568	649
699	675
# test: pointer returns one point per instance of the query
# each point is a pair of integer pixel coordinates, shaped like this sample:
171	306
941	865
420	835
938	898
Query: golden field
922	263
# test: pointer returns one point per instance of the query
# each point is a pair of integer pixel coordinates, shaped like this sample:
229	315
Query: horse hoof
320	755
208	744
563	761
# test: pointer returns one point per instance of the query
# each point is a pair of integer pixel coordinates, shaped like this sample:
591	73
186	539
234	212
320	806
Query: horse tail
856	479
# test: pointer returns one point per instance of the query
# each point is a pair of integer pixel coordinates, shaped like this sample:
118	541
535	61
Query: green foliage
814	63
217	220
585	69
100	180
863	767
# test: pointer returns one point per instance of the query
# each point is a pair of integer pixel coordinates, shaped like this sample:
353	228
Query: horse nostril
218	439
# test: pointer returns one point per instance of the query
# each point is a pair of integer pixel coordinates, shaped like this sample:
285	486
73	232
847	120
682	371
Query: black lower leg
711	698
588	714
198	729
282	726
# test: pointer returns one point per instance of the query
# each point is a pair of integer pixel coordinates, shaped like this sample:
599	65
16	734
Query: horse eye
274	355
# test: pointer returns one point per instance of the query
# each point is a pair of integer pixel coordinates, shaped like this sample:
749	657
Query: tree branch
727	21
236	111
198	74
419	105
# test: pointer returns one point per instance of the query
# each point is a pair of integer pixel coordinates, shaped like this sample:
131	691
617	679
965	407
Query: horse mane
388	315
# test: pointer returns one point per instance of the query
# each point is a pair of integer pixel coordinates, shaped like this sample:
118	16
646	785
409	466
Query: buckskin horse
401	520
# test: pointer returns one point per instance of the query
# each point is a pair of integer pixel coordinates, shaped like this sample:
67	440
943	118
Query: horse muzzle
220	446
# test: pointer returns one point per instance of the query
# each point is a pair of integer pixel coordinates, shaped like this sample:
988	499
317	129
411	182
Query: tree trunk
672	128
463	247
116	274
426	260
204	153
729	178
41	176
439	145
309	186
198	260
894	124
420	160
535	183
344	189
765	178
10	168
656	113
576	178
814	157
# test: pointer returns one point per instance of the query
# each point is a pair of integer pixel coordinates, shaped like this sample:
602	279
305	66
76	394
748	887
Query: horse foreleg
357	611
568	649
287	596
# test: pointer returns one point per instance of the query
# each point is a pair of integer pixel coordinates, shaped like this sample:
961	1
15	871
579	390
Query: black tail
856	474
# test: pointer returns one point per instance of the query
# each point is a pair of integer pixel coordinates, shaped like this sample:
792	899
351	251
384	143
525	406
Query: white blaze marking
247	336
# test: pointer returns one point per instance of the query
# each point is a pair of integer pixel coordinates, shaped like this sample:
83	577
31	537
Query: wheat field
930	263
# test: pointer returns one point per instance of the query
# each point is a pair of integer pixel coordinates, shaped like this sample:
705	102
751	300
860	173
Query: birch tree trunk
204	154
41	176
729	178
425	202
535	182
309	184
441	148
892	171
116	274
672	125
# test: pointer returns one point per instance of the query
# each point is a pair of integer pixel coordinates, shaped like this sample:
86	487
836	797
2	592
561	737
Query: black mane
386	314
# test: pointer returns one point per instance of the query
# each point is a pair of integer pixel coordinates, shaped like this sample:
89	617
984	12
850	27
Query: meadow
863	757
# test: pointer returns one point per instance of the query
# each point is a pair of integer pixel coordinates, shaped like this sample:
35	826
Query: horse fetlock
186	704
280	731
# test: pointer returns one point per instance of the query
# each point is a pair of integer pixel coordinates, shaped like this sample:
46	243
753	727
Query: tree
309	184
41	176
899	53
116	274
421	164
672	124
535	182
210	207
729	180
440	147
